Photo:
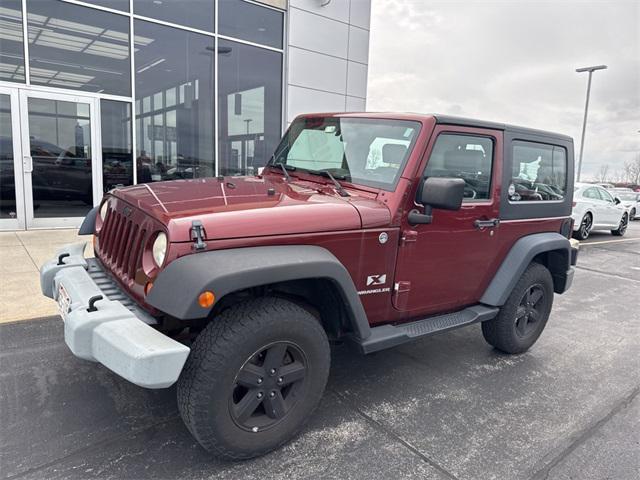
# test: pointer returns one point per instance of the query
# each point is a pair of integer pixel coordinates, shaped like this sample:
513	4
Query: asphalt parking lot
447	407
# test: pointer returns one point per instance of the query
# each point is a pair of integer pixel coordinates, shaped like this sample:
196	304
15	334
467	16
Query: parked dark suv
375	229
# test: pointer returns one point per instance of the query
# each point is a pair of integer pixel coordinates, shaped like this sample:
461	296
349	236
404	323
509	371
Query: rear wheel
254	376
586	224
632	215
525	313
622	228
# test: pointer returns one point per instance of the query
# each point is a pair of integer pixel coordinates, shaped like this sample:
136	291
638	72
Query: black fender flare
176	289
88	226
519	257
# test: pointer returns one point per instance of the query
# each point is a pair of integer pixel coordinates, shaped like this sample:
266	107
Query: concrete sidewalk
21	254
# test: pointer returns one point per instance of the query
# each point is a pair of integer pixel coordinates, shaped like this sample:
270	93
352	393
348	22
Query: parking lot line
610	241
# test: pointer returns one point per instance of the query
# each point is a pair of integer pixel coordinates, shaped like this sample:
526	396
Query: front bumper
115	332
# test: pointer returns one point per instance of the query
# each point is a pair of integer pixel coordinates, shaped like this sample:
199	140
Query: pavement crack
28	253
381	427
619	277
584	435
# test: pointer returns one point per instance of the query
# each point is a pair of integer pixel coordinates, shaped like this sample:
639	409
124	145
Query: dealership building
100	93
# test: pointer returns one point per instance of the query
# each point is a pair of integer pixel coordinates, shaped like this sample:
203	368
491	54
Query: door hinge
408	236
198	235
401	294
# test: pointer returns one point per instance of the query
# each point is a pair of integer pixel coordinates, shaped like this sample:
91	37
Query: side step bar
387	336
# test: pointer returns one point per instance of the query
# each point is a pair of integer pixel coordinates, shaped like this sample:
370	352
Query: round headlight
159	248
103	209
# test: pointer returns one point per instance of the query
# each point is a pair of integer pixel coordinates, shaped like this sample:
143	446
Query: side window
464	156
539	172
606	196
591	193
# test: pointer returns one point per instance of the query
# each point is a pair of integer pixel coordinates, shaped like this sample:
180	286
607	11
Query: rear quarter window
539	172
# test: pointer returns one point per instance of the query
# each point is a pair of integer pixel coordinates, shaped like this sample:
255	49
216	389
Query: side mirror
617	200
442	193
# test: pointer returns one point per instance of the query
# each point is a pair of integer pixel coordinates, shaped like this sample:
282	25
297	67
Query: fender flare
176	289
88	226
519	258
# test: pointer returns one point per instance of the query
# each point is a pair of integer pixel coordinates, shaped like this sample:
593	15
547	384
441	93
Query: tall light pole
586	109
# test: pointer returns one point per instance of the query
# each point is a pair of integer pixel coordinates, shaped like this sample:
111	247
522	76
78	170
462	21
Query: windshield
362	151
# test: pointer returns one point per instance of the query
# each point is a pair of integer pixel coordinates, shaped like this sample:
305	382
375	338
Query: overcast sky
514	61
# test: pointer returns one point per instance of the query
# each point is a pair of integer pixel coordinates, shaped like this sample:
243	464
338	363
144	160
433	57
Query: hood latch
198	235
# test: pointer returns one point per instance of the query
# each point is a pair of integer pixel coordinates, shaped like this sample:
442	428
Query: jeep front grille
121	242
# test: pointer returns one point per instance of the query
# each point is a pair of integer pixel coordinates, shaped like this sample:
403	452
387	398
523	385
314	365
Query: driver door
447	264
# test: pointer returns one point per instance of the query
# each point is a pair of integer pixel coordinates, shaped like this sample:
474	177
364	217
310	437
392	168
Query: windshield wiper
283	167
339	188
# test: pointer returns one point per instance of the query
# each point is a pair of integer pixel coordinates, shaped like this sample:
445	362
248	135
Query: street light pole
586	110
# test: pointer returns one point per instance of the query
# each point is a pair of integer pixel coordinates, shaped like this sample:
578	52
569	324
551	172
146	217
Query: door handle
480	224
27	164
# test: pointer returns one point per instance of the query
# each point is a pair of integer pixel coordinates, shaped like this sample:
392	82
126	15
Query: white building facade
100	93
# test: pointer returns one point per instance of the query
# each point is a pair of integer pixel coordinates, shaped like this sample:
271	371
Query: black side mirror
442	193
617	200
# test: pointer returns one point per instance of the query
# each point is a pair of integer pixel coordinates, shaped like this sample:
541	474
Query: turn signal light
206	299
148	287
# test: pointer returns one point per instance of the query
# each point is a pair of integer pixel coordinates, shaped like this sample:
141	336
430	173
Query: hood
233	207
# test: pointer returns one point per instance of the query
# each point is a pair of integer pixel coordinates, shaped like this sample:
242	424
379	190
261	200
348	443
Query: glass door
11	204
60	158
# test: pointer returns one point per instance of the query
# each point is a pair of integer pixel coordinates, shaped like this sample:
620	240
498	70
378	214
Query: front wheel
622	227
525	313
254	376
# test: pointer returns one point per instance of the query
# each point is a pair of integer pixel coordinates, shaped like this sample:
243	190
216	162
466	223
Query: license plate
64	302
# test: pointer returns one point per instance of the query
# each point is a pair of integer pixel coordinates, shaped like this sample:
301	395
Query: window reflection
194	13
60	146
78	47
122	5
7	174
117	155
174	103
11	44
250	104
251	22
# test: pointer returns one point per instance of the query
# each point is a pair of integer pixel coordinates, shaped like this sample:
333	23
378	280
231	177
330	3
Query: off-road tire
502	332
223	348
583	233
622	228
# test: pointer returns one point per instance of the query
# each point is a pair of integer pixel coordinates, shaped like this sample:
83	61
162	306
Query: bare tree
632	171
603	174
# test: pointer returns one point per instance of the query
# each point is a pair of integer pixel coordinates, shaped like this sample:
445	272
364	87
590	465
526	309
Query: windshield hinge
198	235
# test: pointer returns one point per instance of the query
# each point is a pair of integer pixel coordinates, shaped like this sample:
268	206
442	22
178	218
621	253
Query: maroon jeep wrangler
373	229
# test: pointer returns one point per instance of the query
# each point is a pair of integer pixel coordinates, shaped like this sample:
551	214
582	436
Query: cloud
514	62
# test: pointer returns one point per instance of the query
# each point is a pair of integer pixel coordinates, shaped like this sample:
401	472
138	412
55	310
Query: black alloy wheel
266	387
622	228
530	310
524	315
585	226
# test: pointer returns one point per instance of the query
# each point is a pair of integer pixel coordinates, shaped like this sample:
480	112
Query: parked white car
595	208
630	200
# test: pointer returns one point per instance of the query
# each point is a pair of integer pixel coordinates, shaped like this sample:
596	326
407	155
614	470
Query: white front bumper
111	334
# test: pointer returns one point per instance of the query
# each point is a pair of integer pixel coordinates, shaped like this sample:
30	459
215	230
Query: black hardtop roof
470	122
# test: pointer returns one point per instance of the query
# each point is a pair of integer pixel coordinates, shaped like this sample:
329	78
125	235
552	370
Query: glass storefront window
60	146
117	154
175	84
77	47
248	21
8	205
11	41
194	13
249	106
